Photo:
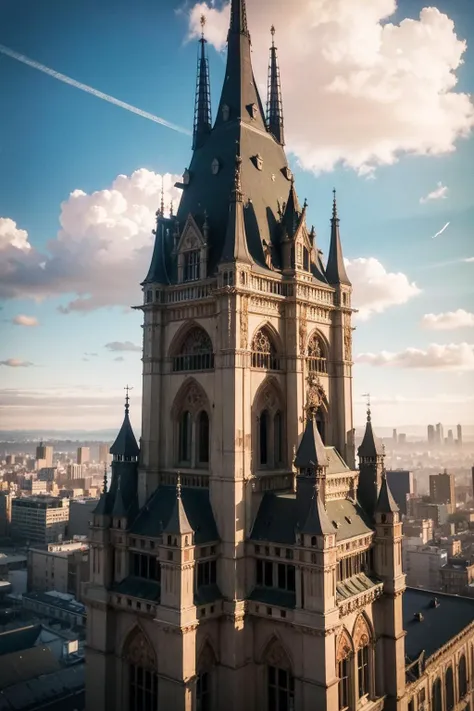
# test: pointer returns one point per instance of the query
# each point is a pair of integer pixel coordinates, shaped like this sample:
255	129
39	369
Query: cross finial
367	395
162	204
104	487
272	31
178	485
127	388
203	24
334	205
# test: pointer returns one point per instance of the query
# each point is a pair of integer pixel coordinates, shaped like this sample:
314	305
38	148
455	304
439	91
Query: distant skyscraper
394	436
439	433
44	455
401	485
402	438
431	434
450	438
83	455
104	453
442	489
459	433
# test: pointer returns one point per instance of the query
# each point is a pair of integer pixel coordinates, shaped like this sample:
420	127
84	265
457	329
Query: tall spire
125	444
274	98
240	99
235	245
335	269
202	107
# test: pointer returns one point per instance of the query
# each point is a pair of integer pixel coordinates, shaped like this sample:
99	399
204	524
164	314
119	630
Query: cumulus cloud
22	320
102	251
469	260
449	320
440	193
376	289
122	346
374	89
452	356
16	363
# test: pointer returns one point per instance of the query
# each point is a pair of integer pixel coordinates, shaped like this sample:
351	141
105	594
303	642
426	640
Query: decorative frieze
358	602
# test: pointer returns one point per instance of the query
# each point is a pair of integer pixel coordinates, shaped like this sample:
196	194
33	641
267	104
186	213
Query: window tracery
190	414
317	362
142	673
269	429
264	354
196	352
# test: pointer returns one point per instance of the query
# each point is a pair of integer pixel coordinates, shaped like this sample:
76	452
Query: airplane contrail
441	230
90	90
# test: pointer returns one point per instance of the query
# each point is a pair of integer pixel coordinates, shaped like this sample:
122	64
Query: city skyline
71	342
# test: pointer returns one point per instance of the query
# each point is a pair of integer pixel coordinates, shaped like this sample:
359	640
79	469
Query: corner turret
335	269
371	465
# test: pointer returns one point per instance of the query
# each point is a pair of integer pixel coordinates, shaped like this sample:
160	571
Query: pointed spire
235	245
120	509
178	522
311	453
371	446
292	212
274	96
161	211
317	522
202	107
335	269
240	100
386	503
104	485
125	444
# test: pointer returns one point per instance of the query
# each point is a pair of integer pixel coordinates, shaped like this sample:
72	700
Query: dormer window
192	264
225	112
215	166
253	110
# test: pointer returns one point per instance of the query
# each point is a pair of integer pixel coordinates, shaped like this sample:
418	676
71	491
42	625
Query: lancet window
192	428
462	677
449	684
195	353
264	354
280	680
345	661
436	698
142	675
270	432
316	358
192	265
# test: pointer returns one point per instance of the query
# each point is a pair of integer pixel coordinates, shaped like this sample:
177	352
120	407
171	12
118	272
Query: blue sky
56	139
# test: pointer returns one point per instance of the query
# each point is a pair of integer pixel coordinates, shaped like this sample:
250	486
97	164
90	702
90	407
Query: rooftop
443	617
59	600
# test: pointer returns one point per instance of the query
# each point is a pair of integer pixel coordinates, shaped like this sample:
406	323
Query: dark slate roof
370	446
16	640
56	688
317	522
272	596
386	503
178	521
207	594
439	624
27	664
125	444
103	506
277	519
139	587
335	268
336	464
354	586
311	451
119	509
157	511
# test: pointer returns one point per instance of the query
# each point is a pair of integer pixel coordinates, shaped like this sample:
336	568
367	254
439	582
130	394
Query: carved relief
361	634
276	656
303	328
244	323
344	646
194	397
139	651
207	658
315	395
347	339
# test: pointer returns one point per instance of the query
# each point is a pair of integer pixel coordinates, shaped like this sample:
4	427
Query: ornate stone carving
344	646
140	652
347	339
315	395
303	328
207	658
275	656
194	397
361	634
196	341
244	323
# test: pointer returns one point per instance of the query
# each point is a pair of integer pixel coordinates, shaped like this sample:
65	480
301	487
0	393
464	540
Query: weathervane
367	395
127	398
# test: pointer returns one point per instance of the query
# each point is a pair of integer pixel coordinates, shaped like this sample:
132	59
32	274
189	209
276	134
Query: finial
162	204
272	31
171	208
305	204
369	417
203	24
104	487
127	388
334	205
238	169
178	485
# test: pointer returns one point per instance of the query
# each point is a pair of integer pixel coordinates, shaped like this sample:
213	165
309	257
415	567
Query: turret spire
202	108
104	486
335	269
235	245
274	98
238	18
125	444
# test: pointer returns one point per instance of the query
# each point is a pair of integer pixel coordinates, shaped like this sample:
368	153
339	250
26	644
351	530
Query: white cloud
374	89
117	346
452	356
102	252
22	320
469	260
440	193
375	289
449	320
16	363
119	359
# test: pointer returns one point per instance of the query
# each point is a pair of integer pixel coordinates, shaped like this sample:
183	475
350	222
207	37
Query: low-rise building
456	576
80	516
40	519
56	606
59	566
422	565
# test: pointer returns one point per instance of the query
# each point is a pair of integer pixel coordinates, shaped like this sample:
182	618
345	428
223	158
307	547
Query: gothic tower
230	574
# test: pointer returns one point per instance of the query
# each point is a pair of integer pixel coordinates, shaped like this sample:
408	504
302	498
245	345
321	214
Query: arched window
278	438
203	437
263	438
196	352
363	670
280	689
317	362
344	669
305	259
436	701
264	354
203	692
449	686
462	676
185	437
142	674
